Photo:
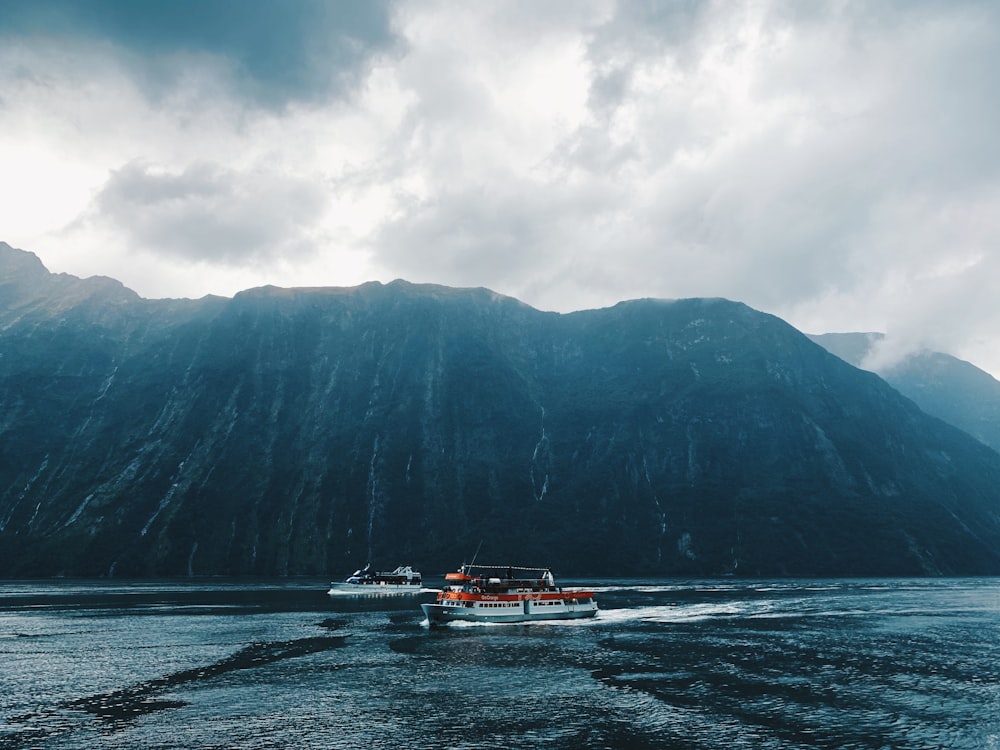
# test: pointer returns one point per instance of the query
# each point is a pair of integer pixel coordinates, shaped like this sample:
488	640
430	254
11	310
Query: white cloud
210	213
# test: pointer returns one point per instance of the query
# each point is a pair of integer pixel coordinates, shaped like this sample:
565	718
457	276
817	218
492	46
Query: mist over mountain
308	431
942	385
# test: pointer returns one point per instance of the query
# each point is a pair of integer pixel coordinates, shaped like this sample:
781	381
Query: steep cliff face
307	431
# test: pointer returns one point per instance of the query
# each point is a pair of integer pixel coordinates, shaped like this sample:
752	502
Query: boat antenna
477	553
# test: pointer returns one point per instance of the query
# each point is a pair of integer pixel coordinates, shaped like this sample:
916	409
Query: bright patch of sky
833	163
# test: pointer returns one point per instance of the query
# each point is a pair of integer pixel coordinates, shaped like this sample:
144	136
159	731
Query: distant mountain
307	431
942	385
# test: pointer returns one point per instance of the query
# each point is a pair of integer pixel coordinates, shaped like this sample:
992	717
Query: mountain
947	387
307	431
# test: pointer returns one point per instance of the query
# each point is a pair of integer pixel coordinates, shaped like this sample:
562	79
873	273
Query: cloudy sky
834	163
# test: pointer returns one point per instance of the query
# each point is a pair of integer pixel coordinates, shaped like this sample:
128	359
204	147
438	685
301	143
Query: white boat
402	580
505	593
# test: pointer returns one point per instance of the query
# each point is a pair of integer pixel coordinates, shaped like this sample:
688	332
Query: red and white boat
504	593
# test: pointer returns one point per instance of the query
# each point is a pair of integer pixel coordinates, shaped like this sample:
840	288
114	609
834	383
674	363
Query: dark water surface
666	664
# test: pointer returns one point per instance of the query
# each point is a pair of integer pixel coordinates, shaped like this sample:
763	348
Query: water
676	664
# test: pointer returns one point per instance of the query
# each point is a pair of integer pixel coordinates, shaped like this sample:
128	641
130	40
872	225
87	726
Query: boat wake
685	613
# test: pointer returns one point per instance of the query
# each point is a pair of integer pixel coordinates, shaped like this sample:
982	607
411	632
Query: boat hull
443	614
372	589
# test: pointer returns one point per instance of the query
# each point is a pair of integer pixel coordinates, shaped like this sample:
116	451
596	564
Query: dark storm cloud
209	213
279	51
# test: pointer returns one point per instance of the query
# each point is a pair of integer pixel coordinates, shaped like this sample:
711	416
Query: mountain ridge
308	431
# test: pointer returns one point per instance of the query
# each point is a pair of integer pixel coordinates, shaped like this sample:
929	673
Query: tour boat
402	580
504	593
